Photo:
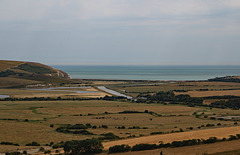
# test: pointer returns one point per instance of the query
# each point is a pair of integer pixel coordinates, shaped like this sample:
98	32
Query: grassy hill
20	74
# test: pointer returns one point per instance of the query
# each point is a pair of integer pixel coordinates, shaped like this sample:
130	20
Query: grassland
5	64
20	74
28	121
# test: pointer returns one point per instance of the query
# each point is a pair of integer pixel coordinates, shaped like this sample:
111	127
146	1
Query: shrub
232	137
209	125
139	147
156	133
12	153
104	126
134	127
47	151
9	143
90	146
58	145
88	125
119	148
210	140
41	149
108	136
33	144
238	136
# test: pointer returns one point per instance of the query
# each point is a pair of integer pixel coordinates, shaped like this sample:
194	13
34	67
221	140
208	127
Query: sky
121	32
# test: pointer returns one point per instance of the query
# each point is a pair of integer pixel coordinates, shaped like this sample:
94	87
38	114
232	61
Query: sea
149	72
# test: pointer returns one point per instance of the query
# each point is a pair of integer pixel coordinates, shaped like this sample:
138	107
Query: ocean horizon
149	72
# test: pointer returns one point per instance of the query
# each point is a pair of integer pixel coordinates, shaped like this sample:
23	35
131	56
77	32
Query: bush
238	136
41	149
76	147
134	127
232	137
139	147
210	140
47	151
104	126
58	145
9	143
119	148
13	153
156	133
108	136
33	144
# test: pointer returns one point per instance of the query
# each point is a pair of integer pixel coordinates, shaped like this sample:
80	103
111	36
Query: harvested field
185	86
168	138
193	150
210	93
107	82
64	93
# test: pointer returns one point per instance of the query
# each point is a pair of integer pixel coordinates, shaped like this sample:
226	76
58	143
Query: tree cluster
90	146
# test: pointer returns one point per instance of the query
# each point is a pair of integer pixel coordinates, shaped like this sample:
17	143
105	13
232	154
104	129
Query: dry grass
62	112
10	148
67	112
14	82
5	64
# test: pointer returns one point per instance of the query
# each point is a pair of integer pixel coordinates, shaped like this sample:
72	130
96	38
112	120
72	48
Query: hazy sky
149	32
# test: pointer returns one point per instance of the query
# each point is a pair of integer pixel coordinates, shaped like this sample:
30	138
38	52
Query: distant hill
226	79
19	74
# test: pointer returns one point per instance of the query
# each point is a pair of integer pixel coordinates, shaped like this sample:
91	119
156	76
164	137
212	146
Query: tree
119	148
76	147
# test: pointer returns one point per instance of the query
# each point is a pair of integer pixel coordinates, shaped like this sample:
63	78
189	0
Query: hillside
226	79
19	74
